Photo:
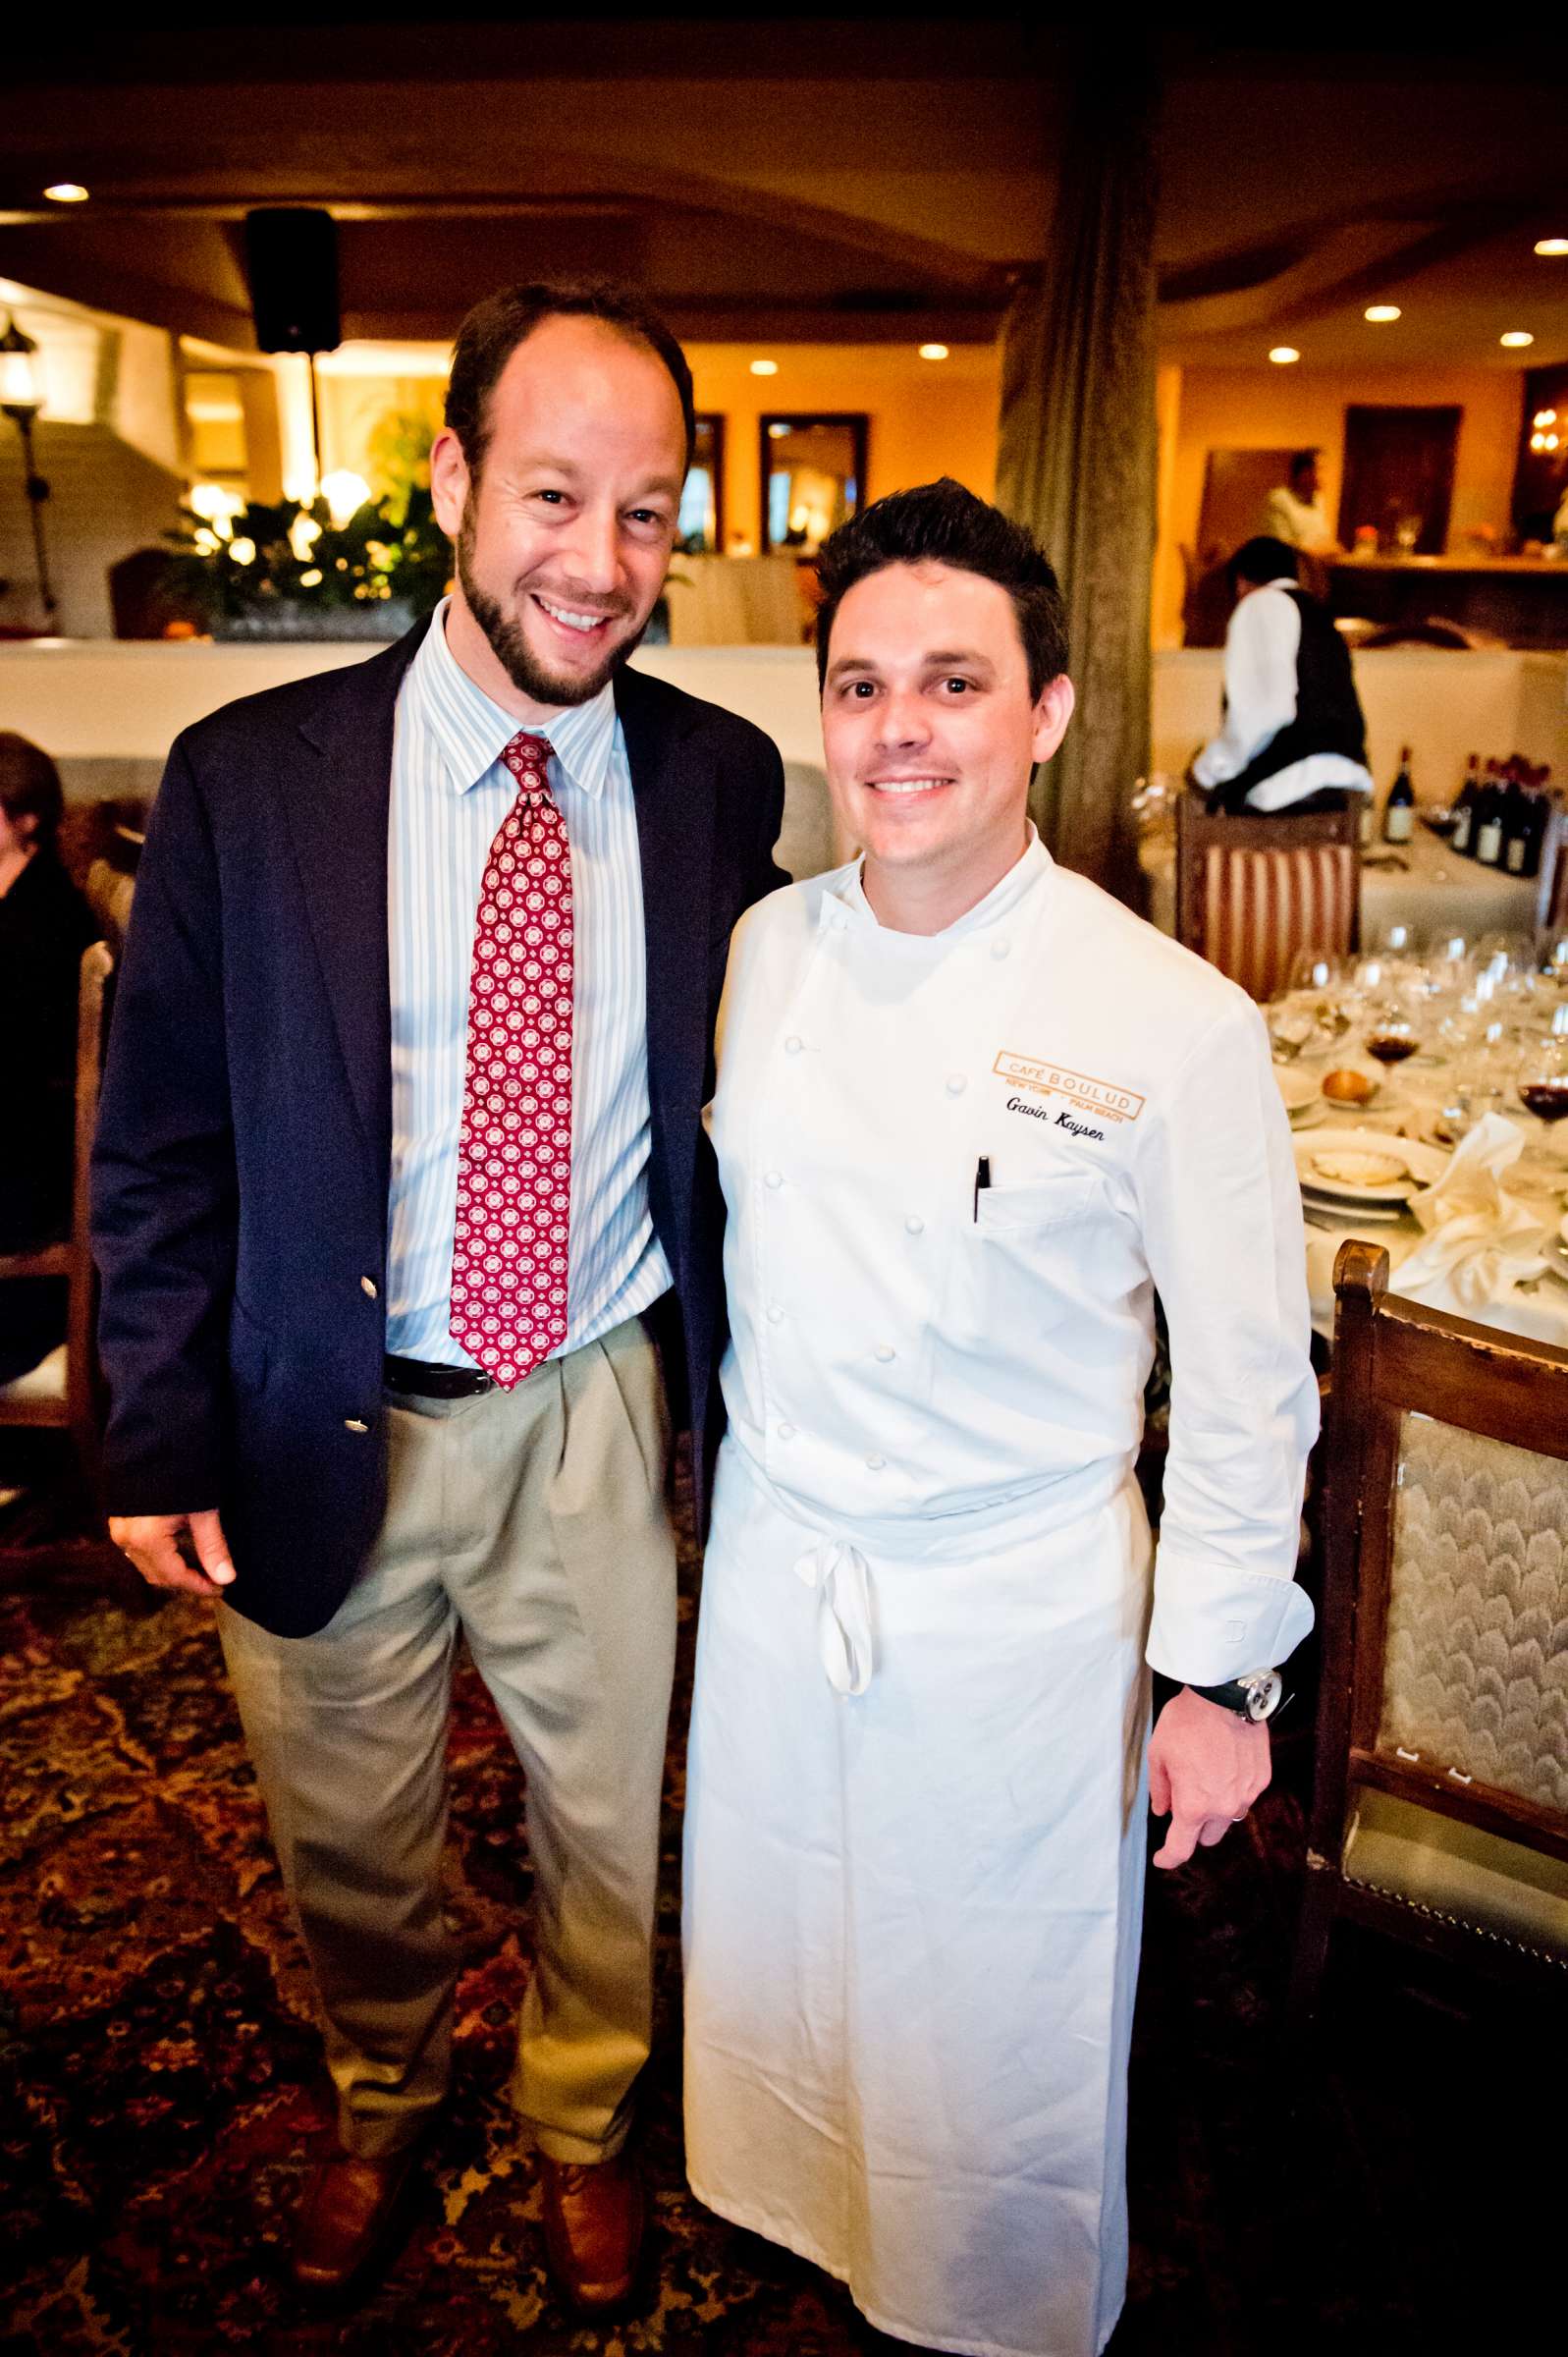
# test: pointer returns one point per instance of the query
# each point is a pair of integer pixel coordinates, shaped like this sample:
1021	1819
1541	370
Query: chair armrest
51	1260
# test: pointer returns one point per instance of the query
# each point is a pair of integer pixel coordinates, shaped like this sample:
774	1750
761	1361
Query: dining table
1413	1109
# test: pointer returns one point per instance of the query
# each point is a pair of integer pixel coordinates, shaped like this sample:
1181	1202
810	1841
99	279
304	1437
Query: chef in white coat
970	1115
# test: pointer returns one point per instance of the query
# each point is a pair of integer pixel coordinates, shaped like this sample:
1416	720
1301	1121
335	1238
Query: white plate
1422	1165
1299	1089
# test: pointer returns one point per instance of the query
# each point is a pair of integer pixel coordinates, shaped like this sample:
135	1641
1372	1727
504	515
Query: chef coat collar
1030	868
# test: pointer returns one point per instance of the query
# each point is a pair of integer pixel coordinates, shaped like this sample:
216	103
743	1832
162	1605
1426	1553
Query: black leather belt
423	1379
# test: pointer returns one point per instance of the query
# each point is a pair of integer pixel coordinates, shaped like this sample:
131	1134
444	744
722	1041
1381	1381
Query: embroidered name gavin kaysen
1063	1120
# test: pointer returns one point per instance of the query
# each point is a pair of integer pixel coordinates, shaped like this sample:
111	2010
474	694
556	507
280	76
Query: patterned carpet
161	2093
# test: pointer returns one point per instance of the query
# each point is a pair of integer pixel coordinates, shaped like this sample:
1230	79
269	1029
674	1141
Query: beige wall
928	418
1262	409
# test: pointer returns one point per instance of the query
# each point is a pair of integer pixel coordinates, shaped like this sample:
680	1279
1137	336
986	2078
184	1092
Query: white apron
913	1911
915	1815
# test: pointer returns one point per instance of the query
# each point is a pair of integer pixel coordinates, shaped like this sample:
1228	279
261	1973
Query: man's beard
510	648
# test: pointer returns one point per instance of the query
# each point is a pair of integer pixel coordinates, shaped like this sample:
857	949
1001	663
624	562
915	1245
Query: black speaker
291	263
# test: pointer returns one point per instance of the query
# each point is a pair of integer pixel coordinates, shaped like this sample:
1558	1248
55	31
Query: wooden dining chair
1441	1810
64	1392
1253	891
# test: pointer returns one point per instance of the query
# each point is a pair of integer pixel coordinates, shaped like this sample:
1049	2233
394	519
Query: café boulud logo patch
1098	1100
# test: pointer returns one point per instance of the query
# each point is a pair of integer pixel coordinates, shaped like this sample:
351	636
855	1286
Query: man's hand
1207	1765
153	1542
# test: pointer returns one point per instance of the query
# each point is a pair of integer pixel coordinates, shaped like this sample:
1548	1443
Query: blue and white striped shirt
449	797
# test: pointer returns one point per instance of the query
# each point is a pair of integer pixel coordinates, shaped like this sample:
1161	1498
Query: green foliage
268	555
398	454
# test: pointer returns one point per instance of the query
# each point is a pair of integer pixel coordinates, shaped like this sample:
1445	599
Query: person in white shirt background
970	1114
1295	511
1292	736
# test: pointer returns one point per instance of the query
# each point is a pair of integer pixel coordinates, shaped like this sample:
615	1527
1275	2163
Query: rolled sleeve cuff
1211	1623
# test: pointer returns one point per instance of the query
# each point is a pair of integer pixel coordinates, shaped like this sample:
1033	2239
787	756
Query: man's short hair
1301	460
493	329
1262	560
944	524
30	787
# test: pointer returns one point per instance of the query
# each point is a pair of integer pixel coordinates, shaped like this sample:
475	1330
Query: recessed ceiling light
1517	338
1378	313
933	351
764	367
1283	353
66	192
1552	244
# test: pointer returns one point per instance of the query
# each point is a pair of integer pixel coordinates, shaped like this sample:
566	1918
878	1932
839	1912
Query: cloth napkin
1480	1242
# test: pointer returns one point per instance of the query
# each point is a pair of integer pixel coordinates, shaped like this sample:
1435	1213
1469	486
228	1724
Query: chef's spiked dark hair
944	524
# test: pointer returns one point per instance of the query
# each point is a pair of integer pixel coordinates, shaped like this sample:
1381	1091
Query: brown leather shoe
593	2219
344	2220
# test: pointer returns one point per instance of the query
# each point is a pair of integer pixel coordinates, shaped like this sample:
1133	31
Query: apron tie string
837	1571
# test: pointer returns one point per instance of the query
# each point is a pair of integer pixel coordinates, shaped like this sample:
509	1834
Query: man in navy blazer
295	1432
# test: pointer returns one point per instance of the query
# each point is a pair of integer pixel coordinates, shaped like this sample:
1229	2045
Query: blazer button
367	1286
353	1424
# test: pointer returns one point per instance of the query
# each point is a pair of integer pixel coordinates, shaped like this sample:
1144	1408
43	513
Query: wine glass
1318	981
1540	1081
1475	1088
1392	1030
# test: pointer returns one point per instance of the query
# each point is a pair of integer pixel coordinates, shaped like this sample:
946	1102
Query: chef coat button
1000	949
956	1085
775	1313
874	1464
786	1432
793	1045
353	1424
775	1178
914	1223
367	1286
884	1351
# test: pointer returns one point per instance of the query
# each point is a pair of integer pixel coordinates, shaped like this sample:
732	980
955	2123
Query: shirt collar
1001	901
472	731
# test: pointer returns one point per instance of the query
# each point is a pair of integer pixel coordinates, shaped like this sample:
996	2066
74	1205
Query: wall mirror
813	478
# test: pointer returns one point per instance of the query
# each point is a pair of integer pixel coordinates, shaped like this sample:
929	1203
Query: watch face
1264	1690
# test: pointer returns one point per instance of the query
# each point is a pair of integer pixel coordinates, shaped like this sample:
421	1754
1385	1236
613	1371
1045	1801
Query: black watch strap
1254	1696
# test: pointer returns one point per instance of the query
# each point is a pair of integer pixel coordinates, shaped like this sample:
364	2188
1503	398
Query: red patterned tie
509	1261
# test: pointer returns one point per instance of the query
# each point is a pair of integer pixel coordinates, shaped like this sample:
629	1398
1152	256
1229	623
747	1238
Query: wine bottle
1519	827
1465	807
1488	818
1399	810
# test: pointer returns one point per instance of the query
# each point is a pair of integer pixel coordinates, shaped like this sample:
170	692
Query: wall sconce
21	400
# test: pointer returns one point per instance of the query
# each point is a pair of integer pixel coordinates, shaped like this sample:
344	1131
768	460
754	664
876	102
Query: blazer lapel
674	804
339	809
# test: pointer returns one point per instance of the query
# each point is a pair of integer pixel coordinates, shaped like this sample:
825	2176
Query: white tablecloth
1435	892
1542	1312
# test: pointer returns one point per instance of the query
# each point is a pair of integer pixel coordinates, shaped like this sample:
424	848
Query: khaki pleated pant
536	1522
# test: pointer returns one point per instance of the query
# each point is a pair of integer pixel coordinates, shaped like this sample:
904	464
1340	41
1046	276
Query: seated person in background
1294	512
45	924
1293	736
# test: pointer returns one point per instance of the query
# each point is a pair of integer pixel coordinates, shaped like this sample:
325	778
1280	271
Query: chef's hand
153	1542
1207	1765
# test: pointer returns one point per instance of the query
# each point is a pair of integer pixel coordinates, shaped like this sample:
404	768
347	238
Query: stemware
1540	1082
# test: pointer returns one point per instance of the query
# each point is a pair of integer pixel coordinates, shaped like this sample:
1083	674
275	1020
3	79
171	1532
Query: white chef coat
914	1835
1299	523
904	1345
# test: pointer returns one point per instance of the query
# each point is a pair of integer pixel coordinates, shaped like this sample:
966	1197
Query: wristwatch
1255	1695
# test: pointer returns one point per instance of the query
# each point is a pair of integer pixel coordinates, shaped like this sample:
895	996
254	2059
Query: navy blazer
245	1138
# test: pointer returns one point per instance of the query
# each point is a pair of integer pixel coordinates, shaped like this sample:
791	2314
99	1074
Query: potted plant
296	570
